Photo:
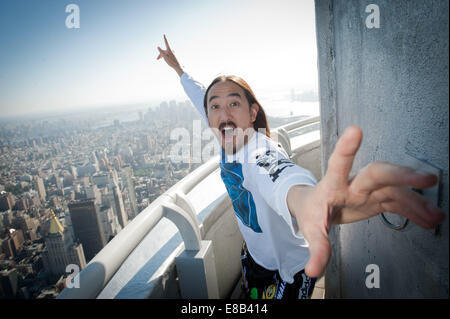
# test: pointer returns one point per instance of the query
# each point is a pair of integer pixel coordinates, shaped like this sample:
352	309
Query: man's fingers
162	53
167	43
320	251
382	174
341	160
413	206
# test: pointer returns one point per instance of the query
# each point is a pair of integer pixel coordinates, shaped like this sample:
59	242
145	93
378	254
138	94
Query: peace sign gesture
169	57
377	188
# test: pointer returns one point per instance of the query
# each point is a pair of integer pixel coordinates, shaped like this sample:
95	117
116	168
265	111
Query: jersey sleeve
196	92
273	174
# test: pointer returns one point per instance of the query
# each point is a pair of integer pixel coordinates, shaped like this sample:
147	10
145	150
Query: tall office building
120	208
111	226
92	192
101	179
9	284
12	244
61	250
6	201
128	181
40	188
73	169
94	161
87	226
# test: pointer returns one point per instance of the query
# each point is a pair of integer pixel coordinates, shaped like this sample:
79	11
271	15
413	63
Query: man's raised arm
170	58
194	90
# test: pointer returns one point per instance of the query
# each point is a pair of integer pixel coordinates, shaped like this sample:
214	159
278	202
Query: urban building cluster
69	184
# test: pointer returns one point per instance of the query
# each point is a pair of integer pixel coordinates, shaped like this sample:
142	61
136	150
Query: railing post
283	138
182	201
196	265
187	227
197	273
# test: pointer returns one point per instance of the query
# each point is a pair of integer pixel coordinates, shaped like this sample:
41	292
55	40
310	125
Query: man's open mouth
228	131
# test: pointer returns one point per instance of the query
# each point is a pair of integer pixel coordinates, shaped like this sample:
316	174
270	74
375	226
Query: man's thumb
160	53
320	251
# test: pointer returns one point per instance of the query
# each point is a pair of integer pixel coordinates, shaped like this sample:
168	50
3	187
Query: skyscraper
120	208
6	201
111	226
87	226
128	181
61	250
94	161
40	187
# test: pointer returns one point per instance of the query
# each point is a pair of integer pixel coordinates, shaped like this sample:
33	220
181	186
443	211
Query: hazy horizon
111	59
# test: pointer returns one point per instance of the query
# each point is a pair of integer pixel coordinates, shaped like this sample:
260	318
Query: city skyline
111	58
68	187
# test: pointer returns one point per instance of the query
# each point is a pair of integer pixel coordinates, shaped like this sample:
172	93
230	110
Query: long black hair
261	119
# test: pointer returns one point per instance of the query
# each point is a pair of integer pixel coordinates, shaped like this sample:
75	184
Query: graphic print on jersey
273	165
242	199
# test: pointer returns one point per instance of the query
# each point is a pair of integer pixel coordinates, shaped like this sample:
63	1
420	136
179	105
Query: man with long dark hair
283	214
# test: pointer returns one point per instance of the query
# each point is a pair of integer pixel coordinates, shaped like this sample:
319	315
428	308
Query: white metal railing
297	124
174	205
102	267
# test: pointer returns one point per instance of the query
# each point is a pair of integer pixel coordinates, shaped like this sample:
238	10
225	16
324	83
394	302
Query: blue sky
111	58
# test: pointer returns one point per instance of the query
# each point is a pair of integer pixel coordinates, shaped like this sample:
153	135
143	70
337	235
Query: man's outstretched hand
377	188
170	57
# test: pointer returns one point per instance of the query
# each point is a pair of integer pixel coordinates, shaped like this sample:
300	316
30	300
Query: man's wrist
179	71
295	195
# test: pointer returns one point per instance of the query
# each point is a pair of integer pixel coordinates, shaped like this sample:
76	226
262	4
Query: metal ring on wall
387	223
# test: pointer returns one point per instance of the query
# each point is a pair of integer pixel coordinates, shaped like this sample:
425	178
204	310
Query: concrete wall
392	81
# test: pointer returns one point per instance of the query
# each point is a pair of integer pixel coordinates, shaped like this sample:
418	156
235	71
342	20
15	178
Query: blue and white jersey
257	178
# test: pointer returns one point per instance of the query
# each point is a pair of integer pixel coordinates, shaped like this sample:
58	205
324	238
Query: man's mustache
229	123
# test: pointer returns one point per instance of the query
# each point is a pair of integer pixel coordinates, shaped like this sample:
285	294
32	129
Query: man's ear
254	109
